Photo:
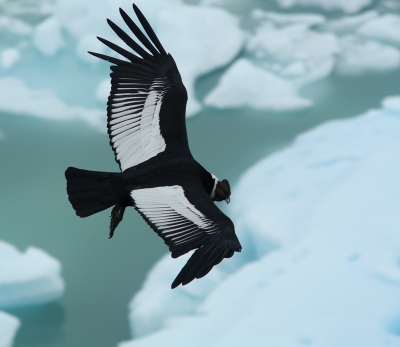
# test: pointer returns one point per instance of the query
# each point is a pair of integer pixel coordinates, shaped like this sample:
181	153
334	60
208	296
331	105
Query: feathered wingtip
153	46
206	257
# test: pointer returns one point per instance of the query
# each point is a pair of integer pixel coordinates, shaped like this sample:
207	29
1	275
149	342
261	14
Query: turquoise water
102	275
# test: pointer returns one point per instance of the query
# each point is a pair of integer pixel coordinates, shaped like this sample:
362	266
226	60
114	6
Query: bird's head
222	191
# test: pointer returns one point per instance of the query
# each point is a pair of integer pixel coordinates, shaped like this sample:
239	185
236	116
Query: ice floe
8	328
293	51
247	85
8	57
385	28
319	226
17	98
347	6
291	47
28	278
283	55
15	26
47	37
348	24
359	55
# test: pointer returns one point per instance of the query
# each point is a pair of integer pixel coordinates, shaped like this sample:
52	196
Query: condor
159	176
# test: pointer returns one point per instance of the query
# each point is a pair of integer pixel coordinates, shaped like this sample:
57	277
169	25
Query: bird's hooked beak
228	200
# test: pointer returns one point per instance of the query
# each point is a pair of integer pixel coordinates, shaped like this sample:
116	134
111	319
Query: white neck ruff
215	186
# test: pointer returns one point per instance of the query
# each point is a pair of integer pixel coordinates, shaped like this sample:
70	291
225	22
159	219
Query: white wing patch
135	130
171	212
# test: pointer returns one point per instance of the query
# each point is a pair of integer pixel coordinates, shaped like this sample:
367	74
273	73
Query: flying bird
159	176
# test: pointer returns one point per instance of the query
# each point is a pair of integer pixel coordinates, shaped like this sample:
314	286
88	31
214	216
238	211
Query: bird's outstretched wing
186	218
147	102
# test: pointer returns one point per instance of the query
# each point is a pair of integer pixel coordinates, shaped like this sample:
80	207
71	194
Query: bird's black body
159	178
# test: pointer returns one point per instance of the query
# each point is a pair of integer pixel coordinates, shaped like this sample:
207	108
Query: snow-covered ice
385	28
348	24
319	226
8	328
297	48
47	37
17	98
8	57
247	85
15	26
347	6
294	50
281	19
359	55
283	55
28	278
201	39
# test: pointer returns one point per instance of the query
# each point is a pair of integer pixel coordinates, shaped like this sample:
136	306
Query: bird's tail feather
90	191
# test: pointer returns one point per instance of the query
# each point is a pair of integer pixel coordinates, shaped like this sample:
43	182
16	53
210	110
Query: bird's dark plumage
159	177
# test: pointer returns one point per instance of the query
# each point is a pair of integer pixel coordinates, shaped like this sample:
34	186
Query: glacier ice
17	98
15	26
8	57
47	37
319	225
347	6
245	84
359	55
293	50
284	54
302	48
348	24
8	328
28	278
297	48
201	39
385	28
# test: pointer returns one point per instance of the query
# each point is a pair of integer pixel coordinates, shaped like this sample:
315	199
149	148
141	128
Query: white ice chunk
147	316
294	51
308	19
47	37
9	56
321	222
385	28
359	55
8	328
28	7
347	6
392	103
17	98
28	278
247	85
200	39
15	26
349	24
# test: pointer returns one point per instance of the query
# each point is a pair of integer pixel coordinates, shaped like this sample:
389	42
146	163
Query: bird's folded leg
117	213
